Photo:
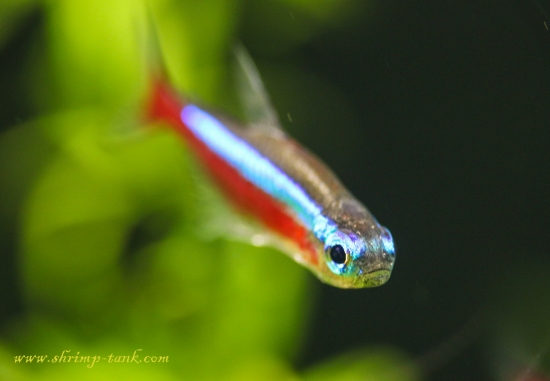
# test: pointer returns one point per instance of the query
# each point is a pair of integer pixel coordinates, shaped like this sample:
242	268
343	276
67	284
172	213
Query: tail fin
161	103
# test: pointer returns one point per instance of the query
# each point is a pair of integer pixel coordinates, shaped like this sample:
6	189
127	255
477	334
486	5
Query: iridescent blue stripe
257	169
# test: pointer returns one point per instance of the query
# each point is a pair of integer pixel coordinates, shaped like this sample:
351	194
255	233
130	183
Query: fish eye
338	254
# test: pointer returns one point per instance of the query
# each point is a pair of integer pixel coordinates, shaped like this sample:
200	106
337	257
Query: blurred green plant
107	257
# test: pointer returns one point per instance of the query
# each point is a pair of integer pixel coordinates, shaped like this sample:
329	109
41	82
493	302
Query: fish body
269	176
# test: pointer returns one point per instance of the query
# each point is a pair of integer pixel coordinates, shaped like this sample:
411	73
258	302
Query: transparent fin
149	42
218	219
253	96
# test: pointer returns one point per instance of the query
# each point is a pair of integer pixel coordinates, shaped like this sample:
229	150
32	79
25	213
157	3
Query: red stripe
164	105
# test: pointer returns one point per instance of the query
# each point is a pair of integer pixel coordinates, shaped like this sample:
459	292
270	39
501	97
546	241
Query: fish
269	177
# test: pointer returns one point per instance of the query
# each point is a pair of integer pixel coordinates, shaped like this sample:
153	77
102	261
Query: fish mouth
376	278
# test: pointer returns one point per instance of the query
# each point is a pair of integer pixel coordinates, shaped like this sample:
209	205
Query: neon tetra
269	176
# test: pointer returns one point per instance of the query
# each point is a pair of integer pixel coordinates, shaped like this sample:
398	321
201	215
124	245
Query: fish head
355	260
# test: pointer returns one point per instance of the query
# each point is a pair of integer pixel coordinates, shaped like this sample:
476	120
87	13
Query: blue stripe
257	169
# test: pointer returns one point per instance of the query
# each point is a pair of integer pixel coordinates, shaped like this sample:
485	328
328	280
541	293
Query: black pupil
338	254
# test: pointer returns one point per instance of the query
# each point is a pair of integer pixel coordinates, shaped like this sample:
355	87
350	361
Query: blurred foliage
434	113
99	248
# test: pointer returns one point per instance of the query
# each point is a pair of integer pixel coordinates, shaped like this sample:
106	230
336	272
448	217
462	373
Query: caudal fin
162	103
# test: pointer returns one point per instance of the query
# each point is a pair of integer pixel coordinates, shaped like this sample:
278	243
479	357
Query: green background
435	114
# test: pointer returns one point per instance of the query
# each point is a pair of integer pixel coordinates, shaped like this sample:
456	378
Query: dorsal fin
253	96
